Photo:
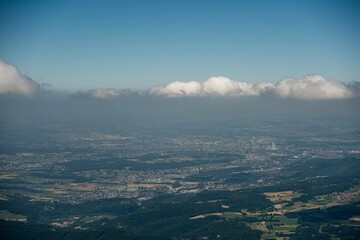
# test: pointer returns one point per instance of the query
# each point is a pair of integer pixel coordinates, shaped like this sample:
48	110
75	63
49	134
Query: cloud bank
13	82
214	86
311	87
104	93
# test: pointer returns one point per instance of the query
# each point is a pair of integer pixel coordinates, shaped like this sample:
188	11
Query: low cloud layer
311	87
215	86
13	82
104	93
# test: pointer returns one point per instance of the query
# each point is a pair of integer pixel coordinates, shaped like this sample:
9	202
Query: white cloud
312	87
103	93
264	87
222	86
214	86
177	89
13	82
106	93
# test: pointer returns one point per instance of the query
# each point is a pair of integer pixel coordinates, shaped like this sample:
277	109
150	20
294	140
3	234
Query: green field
94	218
277	224
220	214
8	216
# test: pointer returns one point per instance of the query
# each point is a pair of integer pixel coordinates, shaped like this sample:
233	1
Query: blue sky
137	44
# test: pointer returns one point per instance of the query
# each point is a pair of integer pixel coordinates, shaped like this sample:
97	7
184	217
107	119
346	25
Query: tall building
273	146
